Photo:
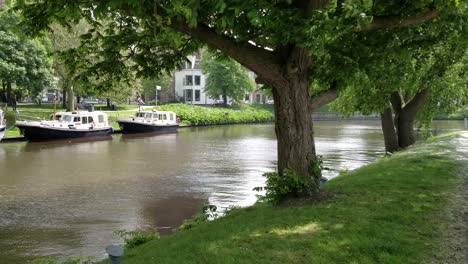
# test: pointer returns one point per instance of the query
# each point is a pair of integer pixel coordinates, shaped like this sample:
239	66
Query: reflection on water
63	198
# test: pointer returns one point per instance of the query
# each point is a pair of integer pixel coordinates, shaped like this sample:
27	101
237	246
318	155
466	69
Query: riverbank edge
251	111
277	238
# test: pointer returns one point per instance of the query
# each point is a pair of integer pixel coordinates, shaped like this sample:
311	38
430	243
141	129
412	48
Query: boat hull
35	133
134	127
2	132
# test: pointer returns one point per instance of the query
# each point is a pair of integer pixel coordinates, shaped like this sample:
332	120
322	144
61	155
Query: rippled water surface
66	198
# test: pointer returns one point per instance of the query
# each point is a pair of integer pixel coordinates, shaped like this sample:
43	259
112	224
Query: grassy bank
396	210
199	115
189	114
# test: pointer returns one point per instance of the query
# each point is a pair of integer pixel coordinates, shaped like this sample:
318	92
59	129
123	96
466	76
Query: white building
190	85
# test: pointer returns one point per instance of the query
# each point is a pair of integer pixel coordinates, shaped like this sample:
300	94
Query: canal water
67	198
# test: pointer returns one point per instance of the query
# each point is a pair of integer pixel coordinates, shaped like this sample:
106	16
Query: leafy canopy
144	38
23	61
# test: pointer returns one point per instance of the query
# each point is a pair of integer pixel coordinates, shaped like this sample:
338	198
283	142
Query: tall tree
408	83
23	61
164	80
226	78
280	41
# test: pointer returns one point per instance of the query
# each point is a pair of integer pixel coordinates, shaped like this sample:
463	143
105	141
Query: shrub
136	238
278	187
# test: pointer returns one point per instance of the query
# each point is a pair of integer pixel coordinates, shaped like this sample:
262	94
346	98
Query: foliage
278	187
23	61
225	78
136	238
432	56
149	85
199	115
392	211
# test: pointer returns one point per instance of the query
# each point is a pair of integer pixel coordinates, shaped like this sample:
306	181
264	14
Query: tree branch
264	63
418	100
323	98
308	6
397	102
385	23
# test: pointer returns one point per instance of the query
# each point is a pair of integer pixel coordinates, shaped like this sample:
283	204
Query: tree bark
9	92
388	129
225	103
108	103
64	97
406	119
71	98
293	126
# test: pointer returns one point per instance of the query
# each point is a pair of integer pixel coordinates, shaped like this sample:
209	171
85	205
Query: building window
197	63
188	95
247	97
188	80
197	95
186	65
197	79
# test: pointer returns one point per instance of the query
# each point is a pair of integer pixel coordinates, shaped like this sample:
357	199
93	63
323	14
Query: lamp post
156	98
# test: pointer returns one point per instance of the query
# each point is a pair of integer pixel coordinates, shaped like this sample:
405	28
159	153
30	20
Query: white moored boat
150	121
2	125
67	125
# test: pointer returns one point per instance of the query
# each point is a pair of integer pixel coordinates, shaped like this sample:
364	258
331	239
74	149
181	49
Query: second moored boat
150	121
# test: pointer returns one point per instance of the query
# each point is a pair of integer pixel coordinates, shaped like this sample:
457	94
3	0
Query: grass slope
392	211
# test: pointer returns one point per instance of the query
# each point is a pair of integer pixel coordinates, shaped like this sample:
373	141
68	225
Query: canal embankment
408	208
190	115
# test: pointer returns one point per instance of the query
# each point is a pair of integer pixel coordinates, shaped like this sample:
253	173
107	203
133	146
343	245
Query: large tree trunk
225	99
293	126
64	97
108	104
9	89
405	114
71	98
388	129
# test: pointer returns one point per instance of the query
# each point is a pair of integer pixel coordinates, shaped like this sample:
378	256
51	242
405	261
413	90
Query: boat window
90	119
165	117
101	118
76	119
155	116
172	116
148	115
67	118
84	120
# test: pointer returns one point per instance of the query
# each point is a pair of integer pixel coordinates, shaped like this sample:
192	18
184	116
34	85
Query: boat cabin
163	116
79	120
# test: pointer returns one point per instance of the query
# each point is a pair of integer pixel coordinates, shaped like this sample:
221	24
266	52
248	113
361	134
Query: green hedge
200	115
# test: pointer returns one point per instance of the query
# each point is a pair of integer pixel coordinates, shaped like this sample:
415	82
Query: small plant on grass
278	187
136	238
208	213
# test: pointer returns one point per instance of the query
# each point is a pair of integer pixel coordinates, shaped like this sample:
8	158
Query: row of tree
393	57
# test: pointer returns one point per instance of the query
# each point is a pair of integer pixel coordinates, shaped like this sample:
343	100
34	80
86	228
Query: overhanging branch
385	23
264	63
323	98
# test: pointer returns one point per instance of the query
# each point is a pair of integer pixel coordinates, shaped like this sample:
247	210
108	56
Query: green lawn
395	210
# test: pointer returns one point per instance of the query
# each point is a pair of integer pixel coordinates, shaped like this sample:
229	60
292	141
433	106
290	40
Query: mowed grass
392	211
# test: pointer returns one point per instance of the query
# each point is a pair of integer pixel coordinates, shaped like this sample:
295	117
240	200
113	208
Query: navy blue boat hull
132	127
34	133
